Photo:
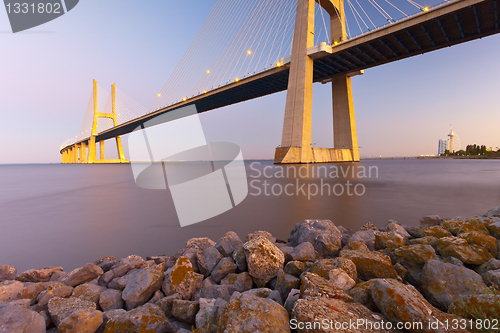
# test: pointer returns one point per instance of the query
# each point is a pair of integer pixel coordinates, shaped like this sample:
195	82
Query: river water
68	215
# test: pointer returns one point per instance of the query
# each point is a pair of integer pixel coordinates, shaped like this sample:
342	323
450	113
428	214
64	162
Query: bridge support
296	140
77	153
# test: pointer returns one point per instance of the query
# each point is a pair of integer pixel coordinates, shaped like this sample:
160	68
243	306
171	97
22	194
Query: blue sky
402	108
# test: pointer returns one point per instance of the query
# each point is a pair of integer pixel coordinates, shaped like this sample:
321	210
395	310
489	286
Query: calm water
68	215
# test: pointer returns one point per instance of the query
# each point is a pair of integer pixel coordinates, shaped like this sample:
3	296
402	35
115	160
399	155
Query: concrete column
344	125
93	133
101	148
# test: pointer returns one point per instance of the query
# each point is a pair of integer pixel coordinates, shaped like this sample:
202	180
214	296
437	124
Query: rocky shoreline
442	276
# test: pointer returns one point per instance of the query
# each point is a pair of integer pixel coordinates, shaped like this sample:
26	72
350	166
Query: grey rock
208	259
293	296
397	228
490	265
87	273
62	308
206	307
264	259
228	243
111	299
17	319
7	272
185	310
140	289
238	282
133	261
116	272
304	252
240	259
492	278
285	283
214	292
56	289
145	318
106	266
81	321
366	237
88	292
199	244
104	259
341	279
225	266
9	290
313	285
166	304
325	237
157	296
429	221
261	233
295	268
38	275
121	282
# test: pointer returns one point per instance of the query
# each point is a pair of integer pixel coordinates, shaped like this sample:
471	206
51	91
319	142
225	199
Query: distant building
443	146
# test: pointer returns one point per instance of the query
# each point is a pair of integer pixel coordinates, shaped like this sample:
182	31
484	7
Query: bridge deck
446	25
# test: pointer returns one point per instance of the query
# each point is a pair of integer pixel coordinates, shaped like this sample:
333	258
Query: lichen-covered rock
111	299
264	259
84	274
214	292
492	278
295	268
206	307
494	228
443	282
427	240
472	255
415	232
436	231
470	306
459	224
88	292
185	310
312	313
357	246
366	237
17	319
181	279
403	303
261	233
225	266
146	318
228	243
341	279
114	273
140	289
418	254
165	304
208	259
370	265
443	243
238	282
240	259
361	293
490	265
388	240
478	238
430	220
9	290
285	283
121	282
397	228
325	237
249	313
38	275
81	321
62	308
303	252
56	289
192	254
31	291
293	296
7	272
315	286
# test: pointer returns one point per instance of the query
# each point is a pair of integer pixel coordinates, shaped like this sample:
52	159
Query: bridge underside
450	24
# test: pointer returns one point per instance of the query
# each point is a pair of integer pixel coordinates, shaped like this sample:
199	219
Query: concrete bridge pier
296	140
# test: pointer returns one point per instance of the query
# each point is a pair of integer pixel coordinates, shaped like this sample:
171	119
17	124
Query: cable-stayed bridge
252	49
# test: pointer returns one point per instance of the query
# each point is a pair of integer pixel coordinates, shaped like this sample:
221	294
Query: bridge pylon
296	140
77	153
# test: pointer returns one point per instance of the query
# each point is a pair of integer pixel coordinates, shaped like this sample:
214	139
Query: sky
402	108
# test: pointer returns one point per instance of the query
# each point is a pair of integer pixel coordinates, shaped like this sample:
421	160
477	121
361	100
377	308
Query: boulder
62	308
109	315
165	304
303	252
87	273
472	255
325	237
443	243
492	278
436	231
145	318
370	265
121	282
104	259
140	289
133	261
323	314
322	267
7	272
206	307
249	313
483	306
199	244
403	303
478	238
106	266
181	279
389	239
261	233
17	319
341	279
458	225
490	265
361	293
214	292
240	259
238	282
225	266
313	285
418	254
285	283
38	275
494	228
185	310
264	259
111	299
192	254
293	296
9	290
31	291
228	243
443	282
81	321
208	259
366	237
357	246
427	240
397	228
295	268
88	292
113	273
156	296
415	232
430	220
56	289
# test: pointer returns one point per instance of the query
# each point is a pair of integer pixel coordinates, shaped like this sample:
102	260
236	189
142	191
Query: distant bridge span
446	25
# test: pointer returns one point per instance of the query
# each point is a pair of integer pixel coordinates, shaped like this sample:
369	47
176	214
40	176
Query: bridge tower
296	140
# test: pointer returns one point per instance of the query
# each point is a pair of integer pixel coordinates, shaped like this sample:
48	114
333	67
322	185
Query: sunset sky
402	108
